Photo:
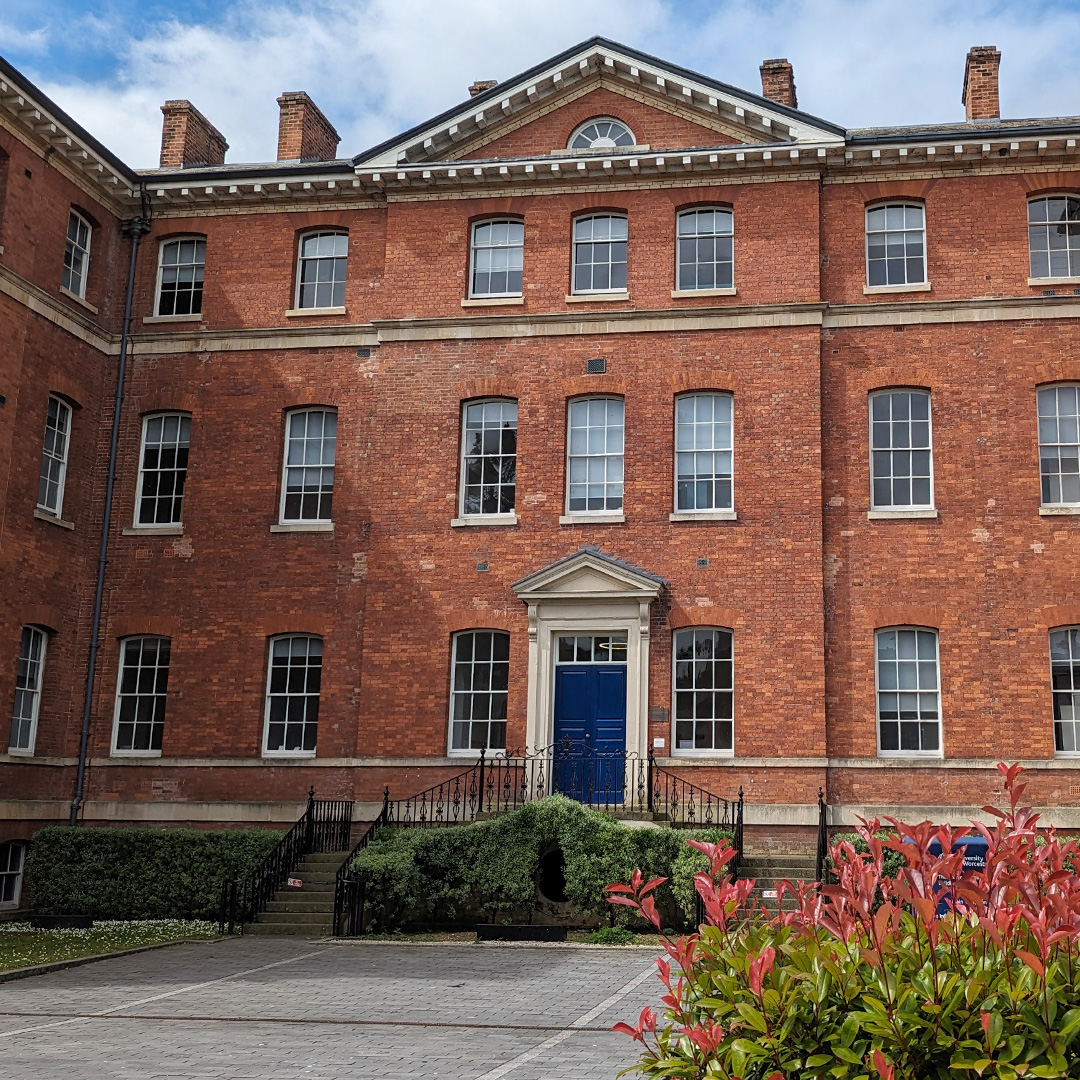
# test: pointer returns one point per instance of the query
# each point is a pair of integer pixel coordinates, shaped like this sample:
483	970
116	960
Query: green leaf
816	1060
752	1016
844	1054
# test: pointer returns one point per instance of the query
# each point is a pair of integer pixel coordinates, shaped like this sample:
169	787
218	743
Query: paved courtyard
283	1008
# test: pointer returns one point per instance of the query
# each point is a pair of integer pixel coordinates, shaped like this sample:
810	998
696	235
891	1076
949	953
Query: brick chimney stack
980	96
304	133
188	138
481	85
778	82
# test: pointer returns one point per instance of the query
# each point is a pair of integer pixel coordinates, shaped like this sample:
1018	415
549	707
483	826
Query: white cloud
379	66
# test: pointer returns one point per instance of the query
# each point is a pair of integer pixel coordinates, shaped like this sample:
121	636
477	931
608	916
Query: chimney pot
481	85
980	96
188	138
778	82
304	133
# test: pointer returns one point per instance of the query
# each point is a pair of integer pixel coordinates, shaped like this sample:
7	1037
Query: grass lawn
22	947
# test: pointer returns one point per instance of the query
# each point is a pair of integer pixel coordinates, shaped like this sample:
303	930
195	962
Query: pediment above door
588	574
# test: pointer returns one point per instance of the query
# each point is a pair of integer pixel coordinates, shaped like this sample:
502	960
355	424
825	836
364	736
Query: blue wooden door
590	731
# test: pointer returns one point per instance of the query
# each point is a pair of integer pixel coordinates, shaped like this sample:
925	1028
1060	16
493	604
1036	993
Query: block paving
284	1008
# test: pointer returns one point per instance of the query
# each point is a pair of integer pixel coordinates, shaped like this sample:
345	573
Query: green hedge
139	873
431	877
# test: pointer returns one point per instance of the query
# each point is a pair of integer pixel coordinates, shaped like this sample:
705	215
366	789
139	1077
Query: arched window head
602	134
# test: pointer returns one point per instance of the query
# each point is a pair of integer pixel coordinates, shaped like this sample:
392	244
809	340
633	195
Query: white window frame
690	211
901	753
693	752
886	205
62	408
480	515
20	846
115	751
34	691
469	751
1073	253
473	294
587	456
1039	390
80	292
282	519
574	241
197	239
175	522
1074	664
895	507
602	120
268	699
712	510
301	259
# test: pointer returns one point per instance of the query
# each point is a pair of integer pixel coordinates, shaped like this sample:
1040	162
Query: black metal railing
325	825
822	839
615	782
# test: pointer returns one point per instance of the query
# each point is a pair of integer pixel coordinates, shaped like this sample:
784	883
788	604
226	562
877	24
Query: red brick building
614	402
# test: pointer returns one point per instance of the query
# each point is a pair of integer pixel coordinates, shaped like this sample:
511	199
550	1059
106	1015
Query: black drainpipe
136	229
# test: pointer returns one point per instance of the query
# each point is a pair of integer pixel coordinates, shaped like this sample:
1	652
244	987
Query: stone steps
307	911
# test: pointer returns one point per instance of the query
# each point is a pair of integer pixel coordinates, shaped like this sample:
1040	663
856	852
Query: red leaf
882	1067
1032	962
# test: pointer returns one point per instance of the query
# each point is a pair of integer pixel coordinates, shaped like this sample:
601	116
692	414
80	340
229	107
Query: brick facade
800	575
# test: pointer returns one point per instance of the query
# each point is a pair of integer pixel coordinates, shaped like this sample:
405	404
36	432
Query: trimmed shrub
139	873
426	877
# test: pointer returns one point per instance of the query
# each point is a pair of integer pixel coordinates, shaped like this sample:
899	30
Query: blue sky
379	66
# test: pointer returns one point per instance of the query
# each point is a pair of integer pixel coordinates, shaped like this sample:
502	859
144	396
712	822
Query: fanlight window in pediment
602	134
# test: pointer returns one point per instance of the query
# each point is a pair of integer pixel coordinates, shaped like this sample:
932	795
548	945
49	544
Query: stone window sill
136	753
285	755
592	519
877	290
303	526
1056	511
493	301
909	755
41	515
296	313
596	298
153	530
900	515
21	753
194	317
1050	282
78	300
683	294
689	755
703	515
483	519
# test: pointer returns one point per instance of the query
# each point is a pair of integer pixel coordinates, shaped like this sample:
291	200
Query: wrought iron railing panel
325	825
616	782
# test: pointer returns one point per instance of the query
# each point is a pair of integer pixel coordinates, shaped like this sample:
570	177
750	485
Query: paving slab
271	1008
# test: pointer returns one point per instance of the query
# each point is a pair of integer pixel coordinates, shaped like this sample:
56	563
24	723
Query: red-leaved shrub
864	978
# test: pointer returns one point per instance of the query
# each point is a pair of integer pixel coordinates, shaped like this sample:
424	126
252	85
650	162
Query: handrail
325	825
822	839
615	781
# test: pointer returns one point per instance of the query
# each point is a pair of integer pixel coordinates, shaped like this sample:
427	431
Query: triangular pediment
723	113
588	573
